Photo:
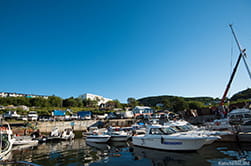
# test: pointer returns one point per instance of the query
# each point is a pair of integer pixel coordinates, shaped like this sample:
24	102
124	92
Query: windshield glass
168	130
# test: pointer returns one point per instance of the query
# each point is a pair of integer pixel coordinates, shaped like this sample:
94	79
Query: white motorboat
23	140
166	138
55	132
68	134
90	131
6	140
184	126
98	137
240	116
117	134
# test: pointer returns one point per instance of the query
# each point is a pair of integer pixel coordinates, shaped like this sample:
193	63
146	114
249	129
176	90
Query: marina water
79	153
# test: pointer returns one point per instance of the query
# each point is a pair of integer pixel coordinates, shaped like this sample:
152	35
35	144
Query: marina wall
47	127
76	125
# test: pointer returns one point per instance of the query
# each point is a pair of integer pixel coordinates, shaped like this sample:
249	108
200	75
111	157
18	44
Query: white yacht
184	126
6	140
166	138
117	134
240	116
98	137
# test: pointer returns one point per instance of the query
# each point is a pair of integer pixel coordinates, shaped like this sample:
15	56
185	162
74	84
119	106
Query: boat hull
119	138
100	139
171	144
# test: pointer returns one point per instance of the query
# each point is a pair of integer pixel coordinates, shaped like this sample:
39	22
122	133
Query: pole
230	81
242	54
242	51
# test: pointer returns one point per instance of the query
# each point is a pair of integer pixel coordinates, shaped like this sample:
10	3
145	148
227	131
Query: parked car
74	117
102	116
32	115
23	117
11	115
87	117
67	118
44	118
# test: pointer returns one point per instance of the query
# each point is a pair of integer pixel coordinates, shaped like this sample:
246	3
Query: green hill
153	100
242	95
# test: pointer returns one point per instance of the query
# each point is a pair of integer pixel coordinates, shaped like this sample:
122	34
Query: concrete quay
47	127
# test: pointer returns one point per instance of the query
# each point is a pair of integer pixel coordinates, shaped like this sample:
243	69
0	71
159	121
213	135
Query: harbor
125	83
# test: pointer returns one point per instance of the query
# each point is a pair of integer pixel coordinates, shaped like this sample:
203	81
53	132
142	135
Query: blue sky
122	48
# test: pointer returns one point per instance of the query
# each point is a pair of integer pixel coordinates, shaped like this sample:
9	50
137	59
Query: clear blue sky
122	48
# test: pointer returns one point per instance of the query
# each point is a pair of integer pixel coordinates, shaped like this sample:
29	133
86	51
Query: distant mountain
245	94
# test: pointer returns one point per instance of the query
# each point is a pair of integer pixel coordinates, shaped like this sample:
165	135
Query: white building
100	99
8	94
142	110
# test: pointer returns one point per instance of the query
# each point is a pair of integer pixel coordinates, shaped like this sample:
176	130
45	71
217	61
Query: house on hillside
142	110
99	99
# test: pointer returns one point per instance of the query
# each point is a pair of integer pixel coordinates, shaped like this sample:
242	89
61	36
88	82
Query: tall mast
242	55
242	51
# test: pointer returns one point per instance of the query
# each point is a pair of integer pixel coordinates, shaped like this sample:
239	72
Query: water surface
79	153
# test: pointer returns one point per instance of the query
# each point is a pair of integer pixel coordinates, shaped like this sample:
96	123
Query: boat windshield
182	128
162	131
168	130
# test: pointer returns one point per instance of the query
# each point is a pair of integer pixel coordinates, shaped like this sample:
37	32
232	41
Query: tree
195	105
179	104
132	102
70	102
39	102
113	104
166	104
79	102
90	103
55	101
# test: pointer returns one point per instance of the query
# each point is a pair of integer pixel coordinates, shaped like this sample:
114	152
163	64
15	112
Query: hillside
242	95
153	100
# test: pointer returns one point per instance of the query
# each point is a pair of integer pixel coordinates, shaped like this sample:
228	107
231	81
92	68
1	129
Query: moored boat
117	134
166	138
23	140
6	140
98	137
68	134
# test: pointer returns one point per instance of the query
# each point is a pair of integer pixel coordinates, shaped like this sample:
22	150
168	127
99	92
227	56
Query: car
74	117
44	118
23	117
32	115
11	115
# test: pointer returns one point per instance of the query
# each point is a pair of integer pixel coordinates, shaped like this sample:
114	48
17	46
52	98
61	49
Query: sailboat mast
242	54
230	81
241	51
